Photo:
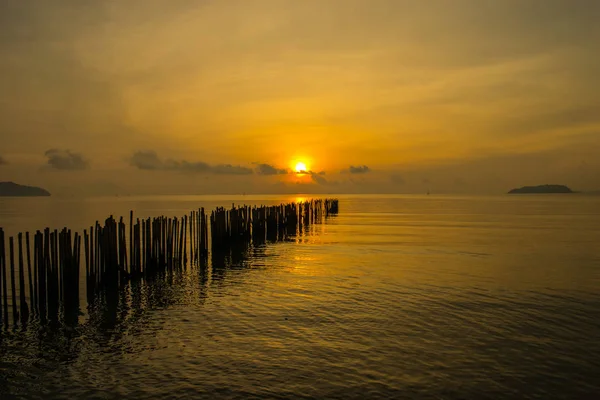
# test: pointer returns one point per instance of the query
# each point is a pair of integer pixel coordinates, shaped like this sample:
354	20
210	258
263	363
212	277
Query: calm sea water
396	297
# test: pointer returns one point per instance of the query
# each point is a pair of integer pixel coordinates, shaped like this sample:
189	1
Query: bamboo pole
22	298
12	281
29	275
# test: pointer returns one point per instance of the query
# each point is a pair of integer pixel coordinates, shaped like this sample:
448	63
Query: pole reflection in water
117	313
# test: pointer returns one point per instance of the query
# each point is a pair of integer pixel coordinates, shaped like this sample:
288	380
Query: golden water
396	297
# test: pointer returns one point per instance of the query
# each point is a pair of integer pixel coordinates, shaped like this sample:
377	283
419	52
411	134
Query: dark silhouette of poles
155	246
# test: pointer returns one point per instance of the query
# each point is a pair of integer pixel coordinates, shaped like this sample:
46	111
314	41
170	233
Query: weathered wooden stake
12	281
22	298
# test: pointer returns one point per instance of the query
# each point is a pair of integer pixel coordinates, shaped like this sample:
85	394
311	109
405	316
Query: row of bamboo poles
258	224
155	245
52	275
48	278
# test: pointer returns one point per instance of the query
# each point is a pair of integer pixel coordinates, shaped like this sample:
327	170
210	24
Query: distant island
11	189
541	189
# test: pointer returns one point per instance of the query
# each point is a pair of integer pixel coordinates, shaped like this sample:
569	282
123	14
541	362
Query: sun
300	168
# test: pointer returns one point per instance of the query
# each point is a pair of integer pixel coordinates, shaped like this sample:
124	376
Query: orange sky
464	96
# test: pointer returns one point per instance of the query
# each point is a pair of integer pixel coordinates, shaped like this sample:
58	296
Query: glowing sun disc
300	167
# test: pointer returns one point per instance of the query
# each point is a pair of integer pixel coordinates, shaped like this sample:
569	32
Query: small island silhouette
11	189
541	189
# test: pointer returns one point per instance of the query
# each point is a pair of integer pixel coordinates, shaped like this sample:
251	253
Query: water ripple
394	298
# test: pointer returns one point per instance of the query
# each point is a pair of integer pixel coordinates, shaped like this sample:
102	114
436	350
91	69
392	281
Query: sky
378	96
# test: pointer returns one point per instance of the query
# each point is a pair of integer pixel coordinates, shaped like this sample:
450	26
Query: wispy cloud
149	160
66	160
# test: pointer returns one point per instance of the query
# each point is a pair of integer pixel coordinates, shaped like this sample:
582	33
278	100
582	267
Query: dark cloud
3	161
360	169
309	172
66	160
198	166
146	160
267	169
228	169
149	160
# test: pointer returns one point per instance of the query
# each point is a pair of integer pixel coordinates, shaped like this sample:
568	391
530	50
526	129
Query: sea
395	297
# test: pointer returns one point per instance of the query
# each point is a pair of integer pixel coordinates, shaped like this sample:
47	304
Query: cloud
149	160
66	160
228	169
267	169
319	179
360	169
198	166
146	160
3	161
